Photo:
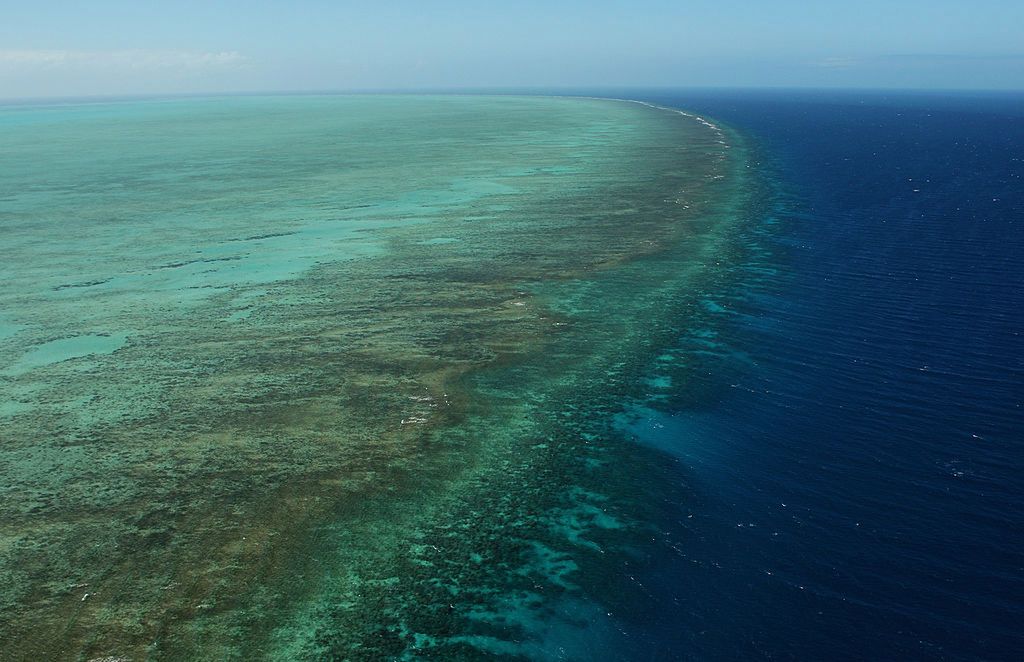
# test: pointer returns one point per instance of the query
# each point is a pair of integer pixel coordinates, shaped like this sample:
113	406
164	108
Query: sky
115	47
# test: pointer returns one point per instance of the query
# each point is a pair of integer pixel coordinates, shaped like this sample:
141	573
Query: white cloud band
121	59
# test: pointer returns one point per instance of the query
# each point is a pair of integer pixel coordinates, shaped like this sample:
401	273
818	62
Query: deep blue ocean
853	462
831	453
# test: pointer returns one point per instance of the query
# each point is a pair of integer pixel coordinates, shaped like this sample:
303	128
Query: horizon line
525	90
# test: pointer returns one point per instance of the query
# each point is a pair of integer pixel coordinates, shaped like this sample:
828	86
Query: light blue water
290	378
286	377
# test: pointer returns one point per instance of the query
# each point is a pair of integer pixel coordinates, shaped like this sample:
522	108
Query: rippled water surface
513	378
852	437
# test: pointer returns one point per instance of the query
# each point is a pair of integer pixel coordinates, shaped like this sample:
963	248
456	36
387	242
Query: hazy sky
90	47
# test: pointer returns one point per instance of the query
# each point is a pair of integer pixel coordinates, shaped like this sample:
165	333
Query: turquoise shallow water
65	349
329	377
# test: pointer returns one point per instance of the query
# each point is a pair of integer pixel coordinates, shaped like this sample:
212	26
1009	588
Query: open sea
721	375
853	444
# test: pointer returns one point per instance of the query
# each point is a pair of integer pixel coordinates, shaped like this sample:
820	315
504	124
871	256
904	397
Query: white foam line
711	125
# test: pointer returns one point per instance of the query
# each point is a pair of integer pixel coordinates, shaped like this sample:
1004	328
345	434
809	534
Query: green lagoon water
333	377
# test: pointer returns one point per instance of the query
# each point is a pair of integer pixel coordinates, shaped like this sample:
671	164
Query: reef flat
333	377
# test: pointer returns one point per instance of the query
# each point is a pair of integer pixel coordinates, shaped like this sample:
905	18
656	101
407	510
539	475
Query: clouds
120	47
838	62
115	60
36	72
